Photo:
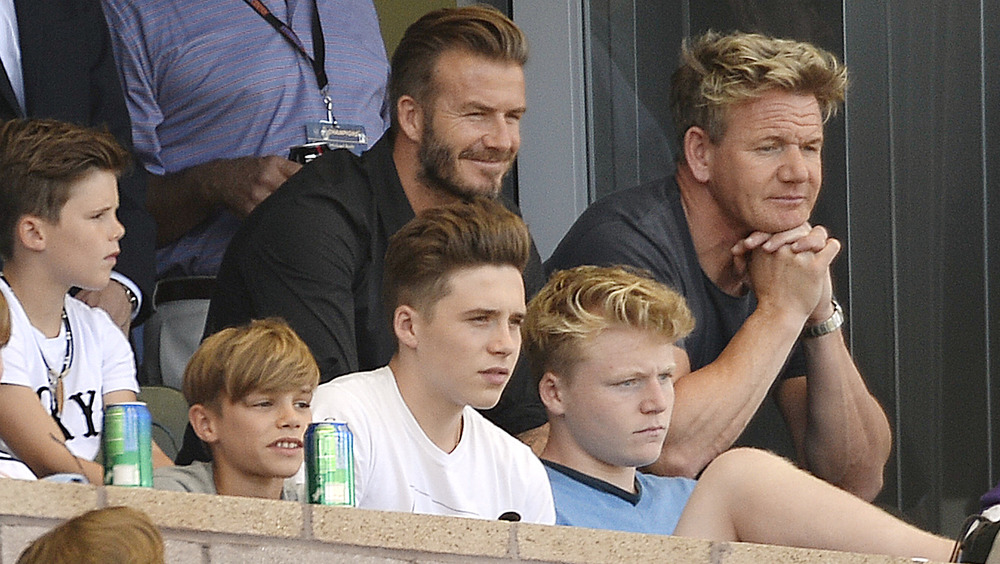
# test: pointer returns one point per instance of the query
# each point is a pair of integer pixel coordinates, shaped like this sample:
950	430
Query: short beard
438	169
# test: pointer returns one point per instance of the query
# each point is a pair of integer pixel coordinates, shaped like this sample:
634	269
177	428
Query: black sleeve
297	258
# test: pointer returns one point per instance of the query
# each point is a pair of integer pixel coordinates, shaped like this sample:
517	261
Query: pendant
59	396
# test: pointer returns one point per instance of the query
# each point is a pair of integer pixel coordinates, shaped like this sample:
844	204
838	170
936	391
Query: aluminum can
128	445
330	463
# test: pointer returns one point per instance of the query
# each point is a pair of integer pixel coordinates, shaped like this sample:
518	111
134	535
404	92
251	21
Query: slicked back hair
422	255
479	30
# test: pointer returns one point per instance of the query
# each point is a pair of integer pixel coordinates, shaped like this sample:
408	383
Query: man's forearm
177	201
714	404
847	437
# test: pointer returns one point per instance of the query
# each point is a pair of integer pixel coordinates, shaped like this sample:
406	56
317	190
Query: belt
186	288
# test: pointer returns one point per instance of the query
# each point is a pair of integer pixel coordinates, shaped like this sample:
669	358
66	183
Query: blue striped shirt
210	79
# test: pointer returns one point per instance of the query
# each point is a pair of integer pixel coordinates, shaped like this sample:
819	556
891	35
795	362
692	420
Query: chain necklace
56	392
56	378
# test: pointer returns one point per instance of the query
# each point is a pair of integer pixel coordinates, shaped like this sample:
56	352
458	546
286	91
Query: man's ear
698	151
31	232
550	388
410	116
203	421
403	324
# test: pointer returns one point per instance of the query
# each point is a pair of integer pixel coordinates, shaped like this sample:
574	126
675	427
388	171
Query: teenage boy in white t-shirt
601	341
65	360
453	282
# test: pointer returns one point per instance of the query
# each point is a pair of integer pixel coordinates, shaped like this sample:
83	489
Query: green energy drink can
330	463
128	445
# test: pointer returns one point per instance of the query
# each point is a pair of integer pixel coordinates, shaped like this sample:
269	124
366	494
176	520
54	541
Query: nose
794	168
506	340
119	230
290	417
503	134
660	397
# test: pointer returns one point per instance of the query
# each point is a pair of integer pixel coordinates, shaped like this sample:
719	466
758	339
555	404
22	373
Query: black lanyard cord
318	60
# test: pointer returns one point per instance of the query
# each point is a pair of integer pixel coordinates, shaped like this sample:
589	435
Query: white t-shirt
398	468
102	363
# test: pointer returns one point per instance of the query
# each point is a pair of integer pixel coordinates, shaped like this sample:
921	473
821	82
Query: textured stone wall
203	529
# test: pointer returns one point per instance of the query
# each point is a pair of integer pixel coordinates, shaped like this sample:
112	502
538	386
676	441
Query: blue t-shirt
585	501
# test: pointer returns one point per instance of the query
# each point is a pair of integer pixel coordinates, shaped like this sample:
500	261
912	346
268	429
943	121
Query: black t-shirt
645	227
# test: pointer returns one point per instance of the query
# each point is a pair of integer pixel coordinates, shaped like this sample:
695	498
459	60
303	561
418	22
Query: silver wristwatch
831	324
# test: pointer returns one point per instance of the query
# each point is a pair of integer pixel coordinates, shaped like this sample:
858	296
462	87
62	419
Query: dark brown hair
480	30
40	160
441	240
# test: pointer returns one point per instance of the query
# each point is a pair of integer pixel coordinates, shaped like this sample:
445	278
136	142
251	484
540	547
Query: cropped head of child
249	390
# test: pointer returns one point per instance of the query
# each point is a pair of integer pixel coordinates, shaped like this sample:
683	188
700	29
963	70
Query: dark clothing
313	253
645	227
70	75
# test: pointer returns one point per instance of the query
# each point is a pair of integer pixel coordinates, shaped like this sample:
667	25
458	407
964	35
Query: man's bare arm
715	403
182	200
840	431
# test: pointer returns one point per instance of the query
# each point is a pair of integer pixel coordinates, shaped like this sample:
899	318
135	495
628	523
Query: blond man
729	231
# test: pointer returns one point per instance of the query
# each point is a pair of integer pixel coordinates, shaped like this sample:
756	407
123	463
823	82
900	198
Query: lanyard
319	47
55	378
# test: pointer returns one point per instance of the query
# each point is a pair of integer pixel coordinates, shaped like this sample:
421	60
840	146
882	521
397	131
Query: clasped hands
790	270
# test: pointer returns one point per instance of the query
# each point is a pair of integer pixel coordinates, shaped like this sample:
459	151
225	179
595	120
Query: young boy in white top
601	341
65	360
249	390
453	282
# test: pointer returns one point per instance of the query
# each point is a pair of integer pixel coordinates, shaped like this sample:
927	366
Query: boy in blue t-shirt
601	342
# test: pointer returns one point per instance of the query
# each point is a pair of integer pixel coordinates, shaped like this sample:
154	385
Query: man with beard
313	252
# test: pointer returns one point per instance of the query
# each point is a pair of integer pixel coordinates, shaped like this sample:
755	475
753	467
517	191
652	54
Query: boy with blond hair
601	342
65	360
249	390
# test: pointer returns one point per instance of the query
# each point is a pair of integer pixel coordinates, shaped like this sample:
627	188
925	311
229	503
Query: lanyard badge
322	135
326	135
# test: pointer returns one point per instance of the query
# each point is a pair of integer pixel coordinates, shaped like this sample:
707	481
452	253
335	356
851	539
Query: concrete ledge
405	531
203	529
213	513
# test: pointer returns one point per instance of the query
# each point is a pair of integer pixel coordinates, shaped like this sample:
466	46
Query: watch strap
832	323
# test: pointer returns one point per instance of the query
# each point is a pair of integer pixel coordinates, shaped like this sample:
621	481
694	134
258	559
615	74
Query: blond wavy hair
578	304
719	71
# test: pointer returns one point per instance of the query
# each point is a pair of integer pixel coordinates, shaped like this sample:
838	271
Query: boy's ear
698	151
30	232
550	388
203	421
403	321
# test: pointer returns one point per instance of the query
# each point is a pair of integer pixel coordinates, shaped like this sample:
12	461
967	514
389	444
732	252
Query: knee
738	463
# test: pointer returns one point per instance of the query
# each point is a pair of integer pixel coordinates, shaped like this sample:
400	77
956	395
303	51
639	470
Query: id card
338	135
